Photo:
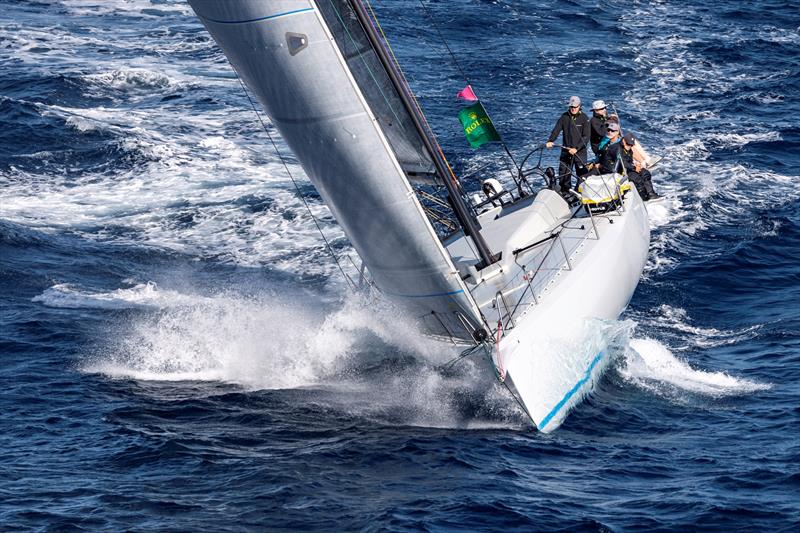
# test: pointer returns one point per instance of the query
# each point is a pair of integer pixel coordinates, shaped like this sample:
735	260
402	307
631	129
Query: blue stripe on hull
572	391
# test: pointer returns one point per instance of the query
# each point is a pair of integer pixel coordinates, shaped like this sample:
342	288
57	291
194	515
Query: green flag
477	126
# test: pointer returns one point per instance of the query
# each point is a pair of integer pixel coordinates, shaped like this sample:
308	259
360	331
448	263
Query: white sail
326	93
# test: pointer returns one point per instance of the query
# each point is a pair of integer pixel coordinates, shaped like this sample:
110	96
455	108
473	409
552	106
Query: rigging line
460	207
411	93
463	74
363	59
396	62
407	87
347	278
444	42
487	352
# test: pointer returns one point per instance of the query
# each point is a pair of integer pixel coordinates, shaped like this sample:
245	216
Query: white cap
574	101
598	104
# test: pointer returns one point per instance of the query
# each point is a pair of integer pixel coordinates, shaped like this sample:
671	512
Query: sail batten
349	140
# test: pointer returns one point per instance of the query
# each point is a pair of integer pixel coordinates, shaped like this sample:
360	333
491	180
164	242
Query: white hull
557	350
555	319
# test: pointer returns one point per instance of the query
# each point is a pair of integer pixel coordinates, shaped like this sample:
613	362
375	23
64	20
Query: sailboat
502	274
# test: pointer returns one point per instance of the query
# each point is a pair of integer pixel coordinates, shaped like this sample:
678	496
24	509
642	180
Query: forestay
317	76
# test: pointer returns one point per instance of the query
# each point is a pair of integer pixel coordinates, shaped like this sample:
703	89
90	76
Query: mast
468	223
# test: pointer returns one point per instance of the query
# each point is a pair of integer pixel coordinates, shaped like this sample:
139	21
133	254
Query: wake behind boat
512	275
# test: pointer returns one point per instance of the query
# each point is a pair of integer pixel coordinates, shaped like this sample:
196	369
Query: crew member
573	126
598	124
639	175
608	149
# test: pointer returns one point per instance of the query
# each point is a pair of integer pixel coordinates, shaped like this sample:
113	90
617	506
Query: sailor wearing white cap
598	124
573	126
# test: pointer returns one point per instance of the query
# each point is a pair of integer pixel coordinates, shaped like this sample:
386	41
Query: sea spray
651	365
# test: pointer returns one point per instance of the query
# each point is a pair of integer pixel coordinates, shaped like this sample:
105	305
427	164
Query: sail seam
268	17
323	118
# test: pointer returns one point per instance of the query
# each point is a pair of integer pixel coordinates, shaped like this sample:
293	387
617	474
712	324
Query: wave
200	193
736	140
20	235
128	79
676	322
128	8
142	295
702	195
651	365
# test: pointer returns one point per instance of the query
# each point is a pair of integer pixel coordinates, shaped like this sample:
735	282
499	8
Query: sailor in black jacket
608	150
573	126
598	124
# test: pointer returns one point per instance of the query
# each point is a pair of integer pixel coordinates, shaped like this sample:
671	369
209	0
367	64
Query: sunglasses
574	107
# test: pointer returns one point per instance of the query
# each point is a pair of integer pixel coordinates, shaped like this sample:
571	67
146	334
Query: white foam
128	79
767	98
651	365
82	124
142	8
735	140
678	320
694	116
207	181
65	295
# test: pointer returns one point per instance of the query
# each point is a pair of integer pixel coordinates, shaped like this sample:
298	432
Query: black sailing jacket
575	130
609	155
598	127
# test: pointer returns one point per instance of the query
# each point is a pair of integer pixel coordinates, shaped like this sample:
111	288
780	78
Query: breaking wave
65	295
651	365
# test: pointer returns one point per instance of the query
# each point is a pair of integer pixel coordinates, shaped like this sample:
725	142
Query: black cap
629	138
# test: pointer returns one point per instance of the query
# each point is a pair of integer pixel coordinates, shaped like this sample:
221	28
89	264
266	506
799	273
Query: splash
258	342
357	357
651	365
677	319
69	296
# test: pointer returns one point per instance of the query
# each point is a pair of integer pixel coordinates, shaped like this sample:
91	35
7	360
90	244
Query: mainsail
326	88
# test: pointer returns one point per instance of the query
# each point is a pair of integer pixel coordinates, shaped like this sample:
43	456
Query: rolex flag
477	126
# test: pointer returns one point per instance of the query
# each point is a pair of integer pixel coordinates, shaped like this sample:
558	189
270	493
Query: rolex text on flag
477	126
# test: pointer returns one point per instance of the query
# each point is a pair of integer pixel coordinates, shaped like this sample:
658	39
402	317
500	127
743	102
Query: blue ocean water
179	352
